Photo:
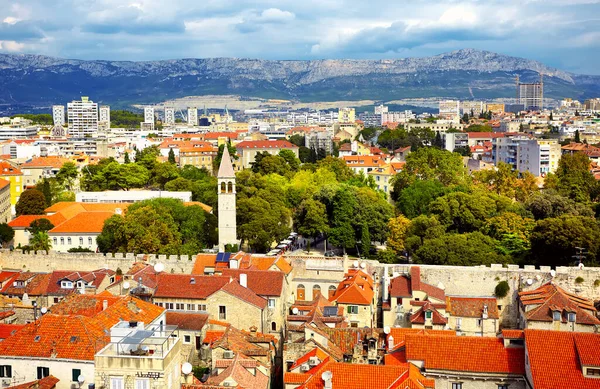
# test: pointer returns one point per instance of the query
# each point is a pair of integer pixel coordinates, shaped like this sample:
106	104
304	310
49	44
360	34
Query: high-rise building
449	109
148	115
346	115
169	115
105	115
193	116
531	95
58	115
475	107
82	117
538	156
226	198
381	109
592	104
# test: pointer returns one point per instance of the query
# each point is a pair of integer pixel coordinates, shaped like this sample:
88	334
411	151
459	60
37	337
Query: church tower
226	194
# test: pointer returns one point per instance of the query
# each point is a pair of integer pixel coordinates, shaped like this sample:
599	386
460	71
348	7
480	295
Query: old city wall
42	262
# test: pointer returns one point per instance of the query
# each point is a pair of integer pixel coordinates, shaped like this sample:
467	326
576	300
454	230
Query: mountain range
36	81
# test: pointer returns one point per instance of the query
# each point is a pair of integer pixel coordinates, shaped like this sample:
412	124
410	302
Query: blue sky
560	33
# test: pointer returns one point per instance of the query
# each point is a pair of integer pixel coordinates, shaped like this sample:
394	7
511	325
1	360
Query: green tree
163	173
338	166
470	249
172	156
38	225
31	202
310	219
148	157
344	206
463	212
577	137
298	140
437	142
126	158
6	234
365	241
464	151
266	163
46	191
574	177
502	180
549	204
414	200
290	157
67	175
40	241
553	240
262	223
132	175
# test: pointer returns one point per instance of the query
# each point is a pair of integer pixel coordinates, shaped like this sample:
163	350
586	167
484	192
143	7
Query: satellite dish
81	379
552	273
295	311
44	310
326	376
529	281
186	368
363	265
580	266
159	267
355	264
126	285
386	329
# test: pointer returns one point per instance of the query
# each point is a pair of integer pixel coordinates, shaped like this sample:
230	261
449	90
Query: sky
560	33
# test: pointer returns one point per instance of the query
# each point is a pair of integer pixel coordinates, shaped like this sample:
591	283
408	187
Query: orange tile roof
181	285
6	169
7	330
399	335
24	221
261	282
4	183
187	321
472	306
48	382
355	288
513	334
485	354
265	144
50	161
206	208
555	358
295	378
203	261
83	223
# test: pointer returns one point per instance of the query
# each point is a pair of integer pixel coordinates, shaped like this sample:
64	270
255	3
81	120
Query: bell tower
226	197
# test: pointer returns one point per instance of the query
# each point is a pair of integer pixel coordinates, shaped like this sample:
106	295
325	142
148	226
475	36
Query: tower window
230	187
223	187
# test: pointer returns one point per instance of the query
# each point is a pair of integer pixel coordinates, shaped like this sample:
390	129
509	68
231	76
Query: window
80	241
479	322
66	284
6	371
271	303
593	372
62	241
179	306
458	322
556	315
69	241
353	309
75	373
43	372
222	312
457	385
55	241
273	326
300	292
191	307
142	383
502	386
332	290
187	339
202	307
116	382
316	291
90	241
571	317
428	315
159	304
169	305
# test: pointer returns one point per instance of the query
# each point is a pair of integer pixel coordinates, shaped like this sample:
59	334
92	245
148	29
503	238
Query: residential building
200	157
354	148
531	95
169	115
495	108
454	140
149	118
21	148
355	295
449	109
247	150
320	139
17	132
538	156
239	371
436	127
592	105
82	118
22	223
79	231
38	168
131	196
550	307
141	355
472	107
383	176
192	116
363	164
346	115
58	115
190	331
505	149
226	193
397	117
104	116
15	176
473	316
5	206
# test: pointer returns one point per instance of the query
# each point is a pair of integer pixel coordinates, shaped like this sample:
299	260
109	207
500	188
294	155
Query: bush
501	289
579	280
596	283
79	250
387	256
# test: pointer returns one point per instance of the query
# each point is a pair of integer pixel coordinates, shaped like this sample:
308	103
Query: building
80	231
449	109
17	132
130	196
472	107
538	156
436	127
169	115
495	108
58	115
5	206
247	150
346	115
383	176
364	163
550	307
531	95
104	118
192	116
148	123
39	168
473	316
592	105
15	177
320	140
21	224
82	118
226	198
355	295
200	157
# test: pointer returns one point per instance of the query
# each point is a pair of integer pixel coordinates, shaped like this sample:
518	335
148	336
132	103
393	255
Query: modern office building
531	95
58	115
83	118
169	115
193	116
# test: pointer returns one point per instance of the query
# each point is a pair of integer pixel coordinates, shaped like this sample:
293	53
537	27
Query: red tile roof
44	383
355	288
24	221
465	353
400	287
203	261
7	330
399	335
555	358
513	334
188	286
6	169
261	282
245	294
550	297
187	321
50	161
472	306
83	223
4	183
265	144
419	316
92	279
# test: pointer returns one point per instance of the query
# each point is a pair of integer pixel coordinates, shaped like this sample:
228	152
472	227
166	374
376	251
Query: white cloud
11	46
275	15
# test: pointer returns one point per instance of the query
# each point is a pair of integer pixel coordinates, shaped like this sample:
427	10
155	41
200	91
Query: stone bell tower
226	195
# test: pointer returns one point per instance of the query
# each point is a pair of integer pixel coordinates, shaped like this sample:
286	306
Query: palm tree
40	241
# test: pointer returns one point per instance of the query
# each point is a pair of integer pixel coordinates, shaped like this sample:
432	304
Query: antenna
552	273
44	310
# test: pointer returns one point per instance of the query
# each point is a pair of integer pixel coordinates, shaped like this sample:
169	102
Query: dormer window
428	315
556	315
19	284
66	284
571	317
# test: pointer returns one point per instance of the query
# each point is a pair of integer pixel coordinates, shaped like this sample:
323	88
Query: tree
470	249
577	137
261	223
298	140
126	158
398	229
365	241
421	228
132	175
464	151
437	142
554	240
40	241
67	175
414	200
344	206
38	225
338	166
310	218
31	202
266	163
574	178
501	289
6	234
290	157
172	156
502	180
549	204
163	173
46	191
463	212
552	117
148	156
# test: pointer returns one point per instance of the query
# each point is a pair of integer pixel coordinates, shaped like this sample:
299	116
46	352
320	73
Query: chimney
328	379
390	342
104	305
244	280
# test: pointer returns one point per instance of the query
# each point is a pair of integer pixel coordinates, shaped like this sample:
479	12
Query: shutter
349	310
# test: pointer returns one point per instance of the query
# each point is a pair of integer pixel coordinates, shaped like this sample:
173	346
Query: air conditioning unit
304	368
6	382
313	361
226	383
228	354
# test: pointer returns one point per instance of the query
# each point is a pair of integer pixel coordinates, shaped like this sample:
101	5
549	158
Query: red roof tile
245	294
48	382
83	223
4	183
7	330
472	306
187	321
261	282
24	221
186	286
355	288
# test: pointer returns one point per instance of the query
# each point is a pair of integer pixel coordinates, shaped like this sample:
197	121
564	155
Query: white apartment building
381	109
193	116
449	108
12	132
169	115
105	114
148	123
538	156
58	115
397	117
346	115
476	107
83	118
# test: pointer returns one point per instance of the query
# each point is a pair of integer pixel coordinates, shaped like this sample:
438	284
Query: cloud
11	46
129	19
256	21
13	30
